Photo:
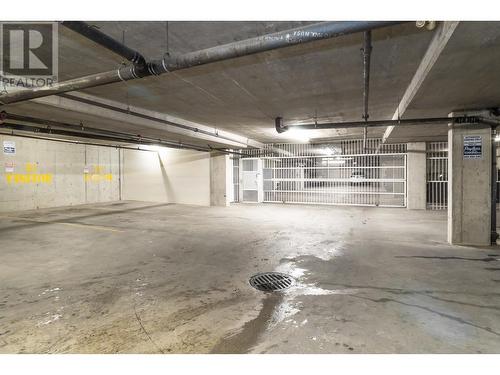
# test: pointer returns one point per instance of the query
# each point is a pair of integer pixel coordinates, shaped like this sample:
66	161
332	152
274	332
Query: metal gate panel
336	174
498	184
251	180
437	175
236	179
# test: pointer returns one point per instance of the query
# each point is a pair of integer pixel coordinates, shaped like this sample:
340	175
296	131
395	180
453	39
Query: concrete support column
221	180
416	176
469	184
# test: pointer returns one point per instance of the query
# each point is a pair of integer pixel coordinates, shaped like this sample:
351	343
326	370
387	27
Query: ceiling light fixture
153	148
298	135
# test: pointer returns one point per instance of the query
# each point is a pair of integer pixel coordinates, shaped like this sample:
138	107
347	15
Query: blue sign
473	147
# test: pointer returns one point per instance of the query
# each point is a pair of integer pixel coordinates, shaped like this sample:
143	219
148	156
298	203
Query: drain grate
271	281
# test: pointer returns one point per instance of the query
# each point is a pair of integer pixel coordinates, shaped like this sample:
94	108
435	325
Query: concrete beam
105	108
441	37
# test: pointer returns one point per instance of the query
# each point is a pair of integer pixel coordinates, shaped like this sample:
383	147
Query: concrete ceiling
244	95
466	76
322	79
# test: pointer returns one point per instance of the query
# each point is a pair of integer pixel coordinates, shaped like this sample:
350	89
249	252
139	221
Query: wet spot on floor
244	340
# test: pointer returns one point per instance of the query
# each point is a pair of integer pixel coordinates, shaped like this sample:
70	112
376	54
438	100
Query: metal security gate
498	184
341	173
251	180
236	179
437	175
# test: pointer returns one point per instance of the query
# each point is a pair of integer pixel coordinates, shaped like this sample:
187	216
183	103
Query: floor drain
271	281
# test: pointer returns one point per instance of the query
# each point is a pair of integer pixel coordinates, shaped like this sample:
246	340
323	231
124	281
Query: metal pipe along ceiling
141	115
112	136
77	142
106	41
306	34
318	31
367	51
139	67
383	123
38	125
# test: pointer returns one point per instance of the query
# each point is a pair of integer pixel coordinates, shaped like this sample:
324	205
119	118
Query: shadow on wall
168	187
184	176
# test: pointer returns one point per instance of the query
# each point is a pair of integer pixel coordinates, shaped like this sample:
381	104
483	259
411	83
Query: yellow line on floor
89	226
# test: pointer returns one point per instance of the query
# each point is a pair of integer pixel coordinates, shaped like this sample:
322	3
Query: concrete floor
134	277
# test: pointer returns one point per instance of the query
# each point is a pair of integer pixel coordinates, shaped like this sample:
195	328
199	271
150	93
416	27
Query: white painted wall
187	176
142	178
167	175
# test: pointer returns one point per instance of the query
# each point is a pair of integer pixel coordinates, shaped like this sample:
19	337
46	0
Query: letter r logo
28	49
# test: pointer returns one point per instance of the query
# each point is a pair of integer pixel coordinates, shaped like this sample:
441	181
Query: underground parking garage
250	187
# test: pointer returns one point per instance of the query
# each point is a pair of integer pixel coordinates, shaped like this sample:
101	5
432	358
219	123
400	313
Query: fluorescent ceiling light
153	148
298	135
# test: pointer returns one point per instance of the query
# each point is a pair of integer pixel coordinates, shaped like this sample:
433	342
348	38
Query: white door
251	180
